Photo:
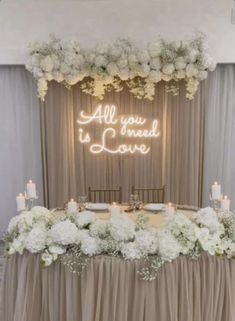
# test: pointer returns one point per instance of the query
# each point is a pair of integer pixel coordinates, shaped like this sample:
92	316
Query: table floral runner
76	237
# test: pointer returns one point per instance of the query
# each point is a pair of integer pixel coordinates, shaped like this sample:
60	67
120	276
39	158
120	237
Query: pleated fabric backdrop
175	159
109	289
196	146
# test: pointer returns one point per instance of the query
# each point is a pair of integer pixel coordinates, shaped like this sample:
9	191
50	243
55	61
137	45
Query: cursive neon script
128	127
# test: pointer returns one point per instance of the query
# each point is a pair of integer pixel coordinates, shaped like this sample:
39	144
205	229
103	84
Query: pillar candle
114	209
170	210
72	206
225	203
216	191
31	189
20	202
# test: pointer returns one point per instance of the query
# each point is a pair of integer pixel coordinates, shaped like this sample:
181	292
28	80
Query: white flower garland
109	67
81	235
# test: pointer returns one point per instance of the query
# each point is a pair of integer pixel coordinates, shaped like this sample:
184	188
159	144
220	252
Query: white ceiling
91	21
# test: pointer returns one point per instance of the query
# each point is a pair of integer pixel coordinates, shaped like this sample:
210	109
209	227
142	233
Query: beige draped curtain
175	159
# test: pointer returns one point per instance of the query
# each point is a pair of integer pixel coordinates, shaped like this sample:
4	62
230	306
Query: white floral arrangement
76	237
110	67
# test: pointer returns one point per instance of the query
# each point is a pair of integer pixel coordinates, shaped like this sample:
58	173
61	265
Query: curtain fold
20	153
109	288
219	144
174	159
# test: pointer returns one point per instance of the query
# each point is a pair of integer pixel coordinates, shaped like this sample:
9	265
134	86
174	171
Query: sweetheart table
110	289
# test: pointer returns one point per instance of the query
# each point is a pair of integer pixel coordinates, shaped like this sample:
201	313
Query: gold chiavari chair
150	195
105	195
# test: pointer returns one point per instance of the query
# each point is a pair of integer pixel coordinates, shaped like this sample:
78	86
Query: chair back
150	195
105	195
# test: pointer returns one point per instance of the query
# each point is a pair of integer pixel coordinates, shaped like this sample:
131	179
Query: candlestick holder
215	204
30	201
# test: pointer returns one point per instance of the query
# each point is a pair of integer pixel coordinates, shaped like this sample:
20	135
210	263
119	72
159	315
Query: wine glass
82	200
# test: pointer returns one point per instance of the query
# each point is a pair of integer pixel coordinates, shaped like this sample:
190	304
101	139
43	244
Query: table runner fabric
109	289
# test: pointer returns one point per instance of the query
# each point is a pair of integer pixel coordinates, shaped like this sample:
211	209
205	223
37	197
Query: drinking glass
82	200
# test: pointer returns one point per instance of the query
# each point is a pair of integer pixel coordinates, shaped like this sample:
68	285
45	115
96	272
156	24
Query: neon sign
129	127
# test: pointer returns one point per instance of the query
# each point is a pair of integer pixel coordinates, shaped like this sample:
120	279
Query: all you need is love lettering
131	128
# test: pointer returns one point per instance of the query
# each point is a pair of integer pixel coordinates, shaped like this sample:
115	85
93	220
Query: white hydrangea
99	229
85	218
121	228
82	234
168	69
60	61
18	244
209	241
64	233
36	240
131	251
207	217
89	246
168	246
146	241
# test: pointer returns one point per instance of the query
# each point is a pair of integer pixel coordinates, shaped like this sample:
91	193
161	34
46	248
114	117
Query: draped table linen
110	289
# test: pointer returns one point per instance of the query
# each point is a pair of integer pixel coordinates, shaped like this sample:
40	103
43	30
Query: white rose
122	63
154	48
55	249
155	63
48	258
155	76
47	64
180	74
192	56
101	48
144	70
143	56
202	74
85	218
132	59
58	76
180	63
166	77
191	70
65	69
168	69
124	74
112	69
100	61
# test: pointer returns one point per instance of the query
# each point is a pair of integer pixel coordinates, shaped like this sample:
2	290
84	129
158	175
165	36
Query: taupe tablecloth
110	290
